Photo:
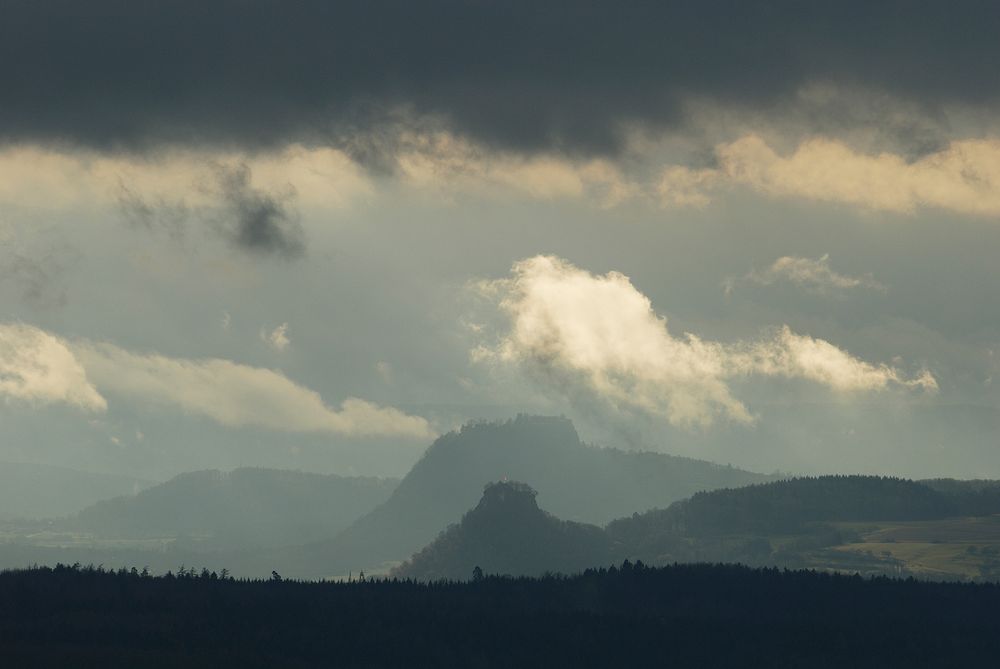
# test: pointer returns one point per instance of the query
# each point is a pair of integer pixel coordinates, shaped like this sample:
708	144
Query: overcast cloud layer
513	74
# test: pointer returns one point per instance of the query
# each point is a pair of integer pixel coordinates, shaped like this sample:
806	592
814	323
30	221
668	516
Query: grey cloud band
513	74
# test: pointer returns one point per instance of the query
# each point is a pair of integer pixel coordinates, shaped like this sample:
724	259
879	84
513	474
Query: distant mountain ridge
246	507
506	533
794	522
575	481
784	506
34	491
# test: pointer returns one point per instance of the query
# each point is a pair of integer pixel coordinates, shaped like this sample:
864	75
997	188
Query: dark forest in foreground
680	616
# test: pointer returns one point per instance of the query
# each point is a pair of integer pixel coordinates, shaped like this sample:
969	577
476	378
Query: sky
316	235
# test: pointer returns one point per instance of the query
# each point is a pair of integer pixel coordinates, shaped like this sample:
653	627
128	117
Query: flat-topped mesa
524	430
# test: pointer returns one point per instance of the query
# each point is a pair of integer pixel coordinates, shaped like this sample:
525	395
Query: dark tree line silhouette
679	616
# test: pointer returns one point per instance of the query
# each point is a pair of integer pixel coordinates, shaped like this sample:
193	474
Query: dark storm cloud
251	219
36	276
162	215
37	280
512	73
258	221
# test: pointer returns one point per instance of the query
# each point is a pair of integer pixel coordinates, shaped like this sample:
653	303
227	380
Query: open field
956	548
49	534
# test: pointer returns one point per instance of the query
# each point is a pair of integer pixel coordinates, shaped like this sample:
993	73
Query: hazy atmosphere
480	333
221	246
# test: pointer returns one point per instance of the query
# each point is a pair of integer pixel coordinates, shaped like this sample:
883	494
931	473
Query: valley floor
950	549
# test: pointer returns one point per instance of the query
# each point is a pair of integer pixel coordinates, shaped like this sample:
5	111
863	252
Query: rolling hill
827	522
243	508
868	524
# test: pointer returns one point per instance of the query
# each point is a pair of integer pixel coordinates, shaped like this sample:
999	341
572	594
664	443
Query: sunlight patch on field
963	548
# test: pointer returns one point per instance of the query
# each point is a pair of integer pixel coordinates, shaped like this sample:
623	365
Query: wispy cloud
811	274
41	368
963	177
276	338
33	269
175	188
575	329
452	165
238	395
159	215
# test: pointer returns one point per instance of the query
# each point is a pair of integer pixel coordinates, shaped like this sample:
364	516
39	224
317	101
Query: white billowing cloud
963	177
276	338
600	333
238	395
39	368
811	274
